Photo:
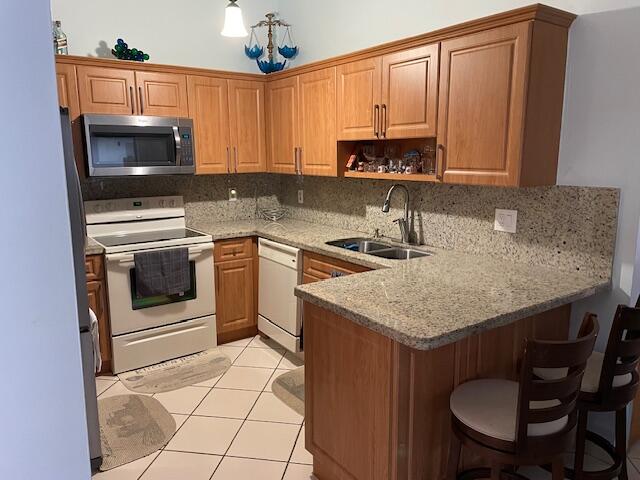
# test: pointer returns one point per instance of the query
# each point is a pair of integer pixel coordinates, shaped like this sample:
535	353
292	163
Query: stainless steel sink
378	249
399	253
363	245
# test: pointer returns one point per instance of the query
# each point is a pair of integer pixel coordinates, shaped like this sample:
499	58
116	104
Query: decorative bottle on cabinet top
59	39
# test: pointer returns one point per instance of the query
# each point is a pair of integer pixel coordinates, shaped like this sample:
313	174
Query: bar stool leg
581	441
621	441
557	469
455	446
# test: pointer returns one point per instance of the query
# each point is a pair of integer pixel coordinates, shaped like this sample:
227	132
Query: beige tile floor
232	427
229	428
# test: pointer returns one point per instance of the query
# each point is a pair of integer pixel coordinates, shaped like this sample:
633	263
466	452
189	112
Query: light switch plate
301	196
506	220
233	195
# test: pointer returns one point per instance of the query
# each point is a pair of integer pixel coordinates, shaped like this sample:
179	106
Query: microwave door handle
178	141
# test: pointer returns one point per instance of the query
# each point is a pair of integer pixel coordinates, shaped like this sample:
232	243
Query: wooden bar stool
529	422
609	384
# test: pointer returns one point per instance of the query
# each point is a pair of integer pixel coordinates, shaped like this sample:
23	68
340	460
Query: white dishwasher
279	315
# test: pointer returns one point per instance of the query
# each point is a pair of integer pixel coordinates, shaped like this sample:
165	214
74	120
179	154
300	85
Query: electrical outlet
506	220
300	196
233	195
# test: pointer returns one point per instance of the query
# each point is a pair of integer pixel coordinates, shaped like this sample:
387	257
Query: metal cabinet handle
296	159
235	158
376	120
384	121
439	161
132	102
299	160
141	102
228	160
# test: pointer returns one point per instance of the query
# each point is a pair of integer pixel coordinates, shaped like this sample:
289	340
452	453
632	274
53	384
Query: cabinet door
97	303
235	306
410	93
68	89
208	107
162	94
359	90
106	90
247	126
482	94
282	125
317	128
68	97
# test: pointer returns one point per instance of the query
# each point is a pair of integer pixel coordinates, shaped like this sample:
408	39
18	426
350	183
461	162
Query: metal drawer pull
376	120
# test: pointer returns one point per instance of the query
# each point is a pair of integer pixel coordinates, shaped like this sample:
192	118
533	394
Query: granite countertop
92	247
426	302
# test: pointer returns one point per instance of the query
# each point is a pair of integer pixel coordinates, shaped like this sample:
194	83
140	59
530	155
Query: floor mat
178	373
132	427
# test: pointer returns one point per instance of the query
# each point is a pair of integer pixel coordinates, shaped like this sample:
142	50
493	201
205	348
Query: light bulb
233	24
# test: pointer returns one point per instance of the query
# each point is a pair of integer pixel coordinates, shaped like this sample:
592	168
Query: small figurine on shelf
122	52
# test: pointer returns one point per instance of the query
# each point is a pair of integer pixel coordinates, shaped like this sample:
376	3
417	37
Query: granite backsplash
205	196
573	228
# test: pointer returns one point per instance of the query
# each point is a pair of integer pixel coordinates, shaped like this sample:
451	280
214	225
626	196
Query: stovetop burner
132	238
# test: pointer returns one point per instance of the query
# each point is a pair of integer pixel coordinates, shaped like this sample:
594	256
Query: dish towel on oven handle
95	336
162	272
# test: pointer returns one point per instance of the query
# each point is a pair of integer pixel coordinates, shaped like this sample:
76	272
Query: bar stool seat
591	378
490	407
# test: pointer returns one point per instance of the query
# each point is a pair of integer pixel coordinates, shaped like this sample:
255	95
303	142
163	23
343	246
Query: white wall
333	27
174	33
601	134
44	433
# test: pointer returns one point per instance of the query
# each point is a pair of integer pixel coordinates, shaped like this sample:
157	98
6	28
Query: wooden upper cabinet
317	127
247	126
208	107
282	125
162	94
235	305
68	89
482	104
359	92
106	90
410	93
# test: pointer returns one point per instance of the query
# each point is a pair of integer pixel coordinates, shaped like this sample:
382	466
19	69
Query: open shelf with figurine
400	160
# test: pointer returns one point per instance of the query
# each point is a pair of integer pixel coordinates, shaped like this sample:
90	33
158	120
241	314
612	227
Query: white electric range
149	330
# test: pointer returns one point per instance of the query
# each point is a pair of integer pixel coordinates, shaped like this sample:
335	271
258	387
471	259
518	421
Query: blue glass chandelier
286	49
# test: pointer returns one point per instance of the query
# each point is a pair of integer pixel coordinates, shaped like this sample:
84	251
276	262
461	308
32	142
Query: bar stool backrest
544	401
621	358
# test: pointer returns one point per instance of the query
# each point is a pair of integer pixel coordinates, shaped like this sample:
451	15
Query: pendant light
233	24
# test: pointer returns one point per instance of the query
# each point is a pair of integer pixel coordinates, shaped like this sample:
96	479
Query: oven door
129	313
138	145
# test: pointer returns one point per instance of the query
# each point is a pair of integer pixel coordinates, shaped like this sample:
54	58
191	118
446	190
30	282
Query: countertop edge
431	343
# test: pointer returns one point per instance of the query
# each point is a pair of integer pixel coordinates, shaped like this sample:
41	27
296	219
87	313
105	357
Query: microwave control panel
186	141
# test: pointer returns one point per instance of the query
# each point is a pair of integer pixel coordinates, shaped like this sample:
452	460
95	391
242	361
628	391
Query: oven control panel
127	209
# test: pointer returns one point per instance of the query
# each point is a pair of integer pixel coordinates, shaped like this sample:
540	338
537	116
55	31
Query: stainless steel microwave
138	145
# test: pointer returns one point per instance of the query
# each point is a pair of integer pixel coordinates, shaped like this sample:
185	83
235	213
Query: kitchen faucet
403	223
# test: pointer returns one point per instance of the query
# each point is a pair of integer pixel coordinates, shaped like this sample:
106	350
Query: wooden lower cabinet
236	289
376	409
316	267
97	296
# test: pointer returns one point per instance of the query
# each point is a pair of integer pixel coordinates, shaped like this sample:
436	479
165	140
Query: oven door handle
127	258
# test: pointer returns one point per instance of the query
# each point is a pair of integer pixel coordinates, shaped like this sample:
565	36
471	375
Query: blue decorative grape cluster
122	51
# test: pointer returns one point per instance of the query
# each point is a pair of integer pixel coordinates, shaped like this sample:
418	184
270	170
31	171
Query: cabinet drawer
93	266
321	267
234	249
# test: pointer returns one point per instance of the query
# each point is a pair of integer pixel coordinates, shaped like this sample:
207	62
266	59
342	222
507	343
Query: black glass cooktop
146	237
